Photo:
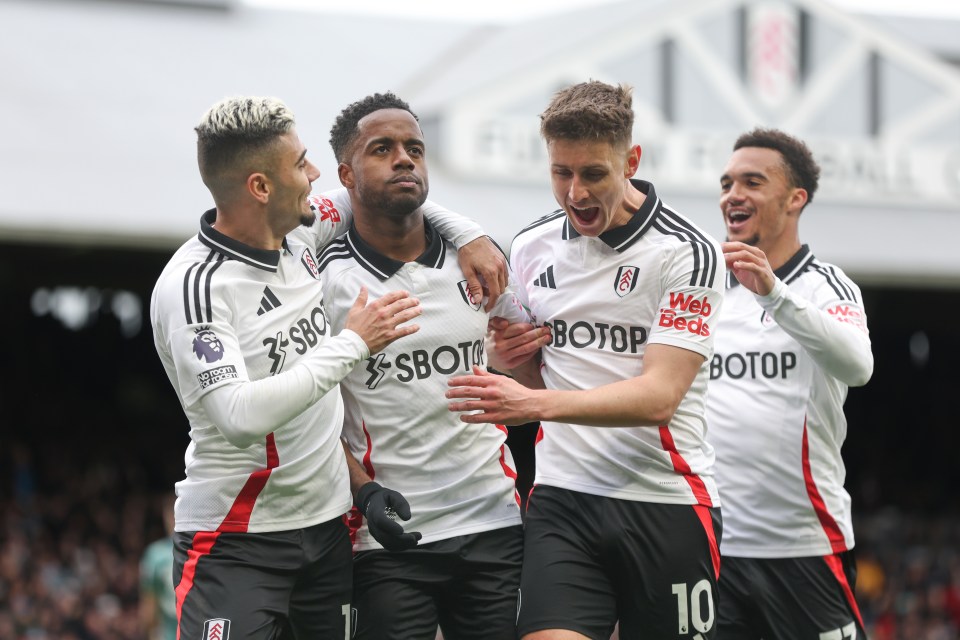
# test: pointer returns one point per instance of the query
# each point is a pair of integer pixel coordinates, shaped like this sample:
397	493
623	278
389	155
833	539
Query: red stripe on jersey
507	471
830	527
680	466
273	456
367	465
353	518
707	521
510	473
202	544
836	567
238	519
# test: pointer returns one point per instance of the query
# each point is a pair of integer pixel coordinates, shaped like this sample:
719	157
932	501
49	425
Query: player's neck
400	238
250	229
779	254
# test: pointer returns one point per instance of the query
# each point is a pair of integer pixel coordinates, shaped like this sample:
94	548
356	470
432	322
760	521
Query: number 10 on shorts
694	606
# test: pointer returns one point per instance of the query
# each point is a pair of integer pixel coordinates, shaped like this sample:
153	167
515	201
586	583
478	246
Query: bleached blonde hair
234	133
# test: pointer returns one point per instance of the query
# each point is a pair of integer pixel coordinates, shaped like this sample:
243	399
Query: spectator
158	605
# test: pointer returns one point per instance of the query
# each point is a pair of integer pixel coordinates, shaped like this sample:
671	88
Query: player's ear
346	175
798	200
258	186
633	161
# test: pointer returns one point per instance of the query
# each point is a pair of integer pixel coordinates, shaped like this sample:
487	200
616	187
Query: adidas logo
268	302
545	279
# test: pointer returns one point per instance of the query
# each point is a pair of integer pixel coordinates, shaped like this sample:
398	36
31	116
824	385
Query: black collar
383	266
788	271
621	238
266	259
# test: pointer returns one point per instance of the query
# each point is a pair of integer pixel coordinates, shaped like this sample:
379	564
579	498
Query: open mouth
736	218
586	216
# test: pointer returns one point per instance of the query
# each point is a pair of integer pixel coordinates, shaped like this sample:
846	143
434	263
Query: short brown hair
801	169
590	110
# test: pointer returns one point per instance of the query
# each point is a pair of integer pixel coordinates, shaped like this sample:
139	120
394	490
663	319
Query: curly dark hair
344	131
590	110
801	169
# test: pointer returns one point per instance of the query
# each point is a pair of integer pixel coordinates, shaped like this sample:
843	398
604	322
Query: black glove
381	506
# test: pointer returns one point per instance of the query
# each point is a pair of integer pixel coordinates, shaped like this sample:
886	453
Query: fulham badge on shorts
217	629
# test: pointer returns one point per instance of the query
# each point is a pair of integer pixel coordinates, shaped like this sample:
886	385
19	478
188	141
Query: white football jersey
776	415
657	279
458	478
224	312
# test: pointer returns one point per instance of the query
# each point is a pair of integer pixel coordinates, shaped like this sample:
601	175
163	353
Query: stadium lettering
582	335
753	364
443	360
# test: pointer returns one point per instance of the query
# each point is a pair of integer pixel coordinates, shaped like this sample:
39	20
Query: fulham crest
310	264
465	294
626	280
218	629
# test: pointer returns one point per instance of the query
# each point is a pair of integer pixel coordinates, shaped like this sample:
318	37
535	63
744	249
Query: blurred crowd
70	548
73	536
908	582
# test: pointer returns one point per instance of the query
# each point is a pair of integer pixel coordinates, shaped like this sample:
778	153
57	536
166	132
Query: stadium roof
100	98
